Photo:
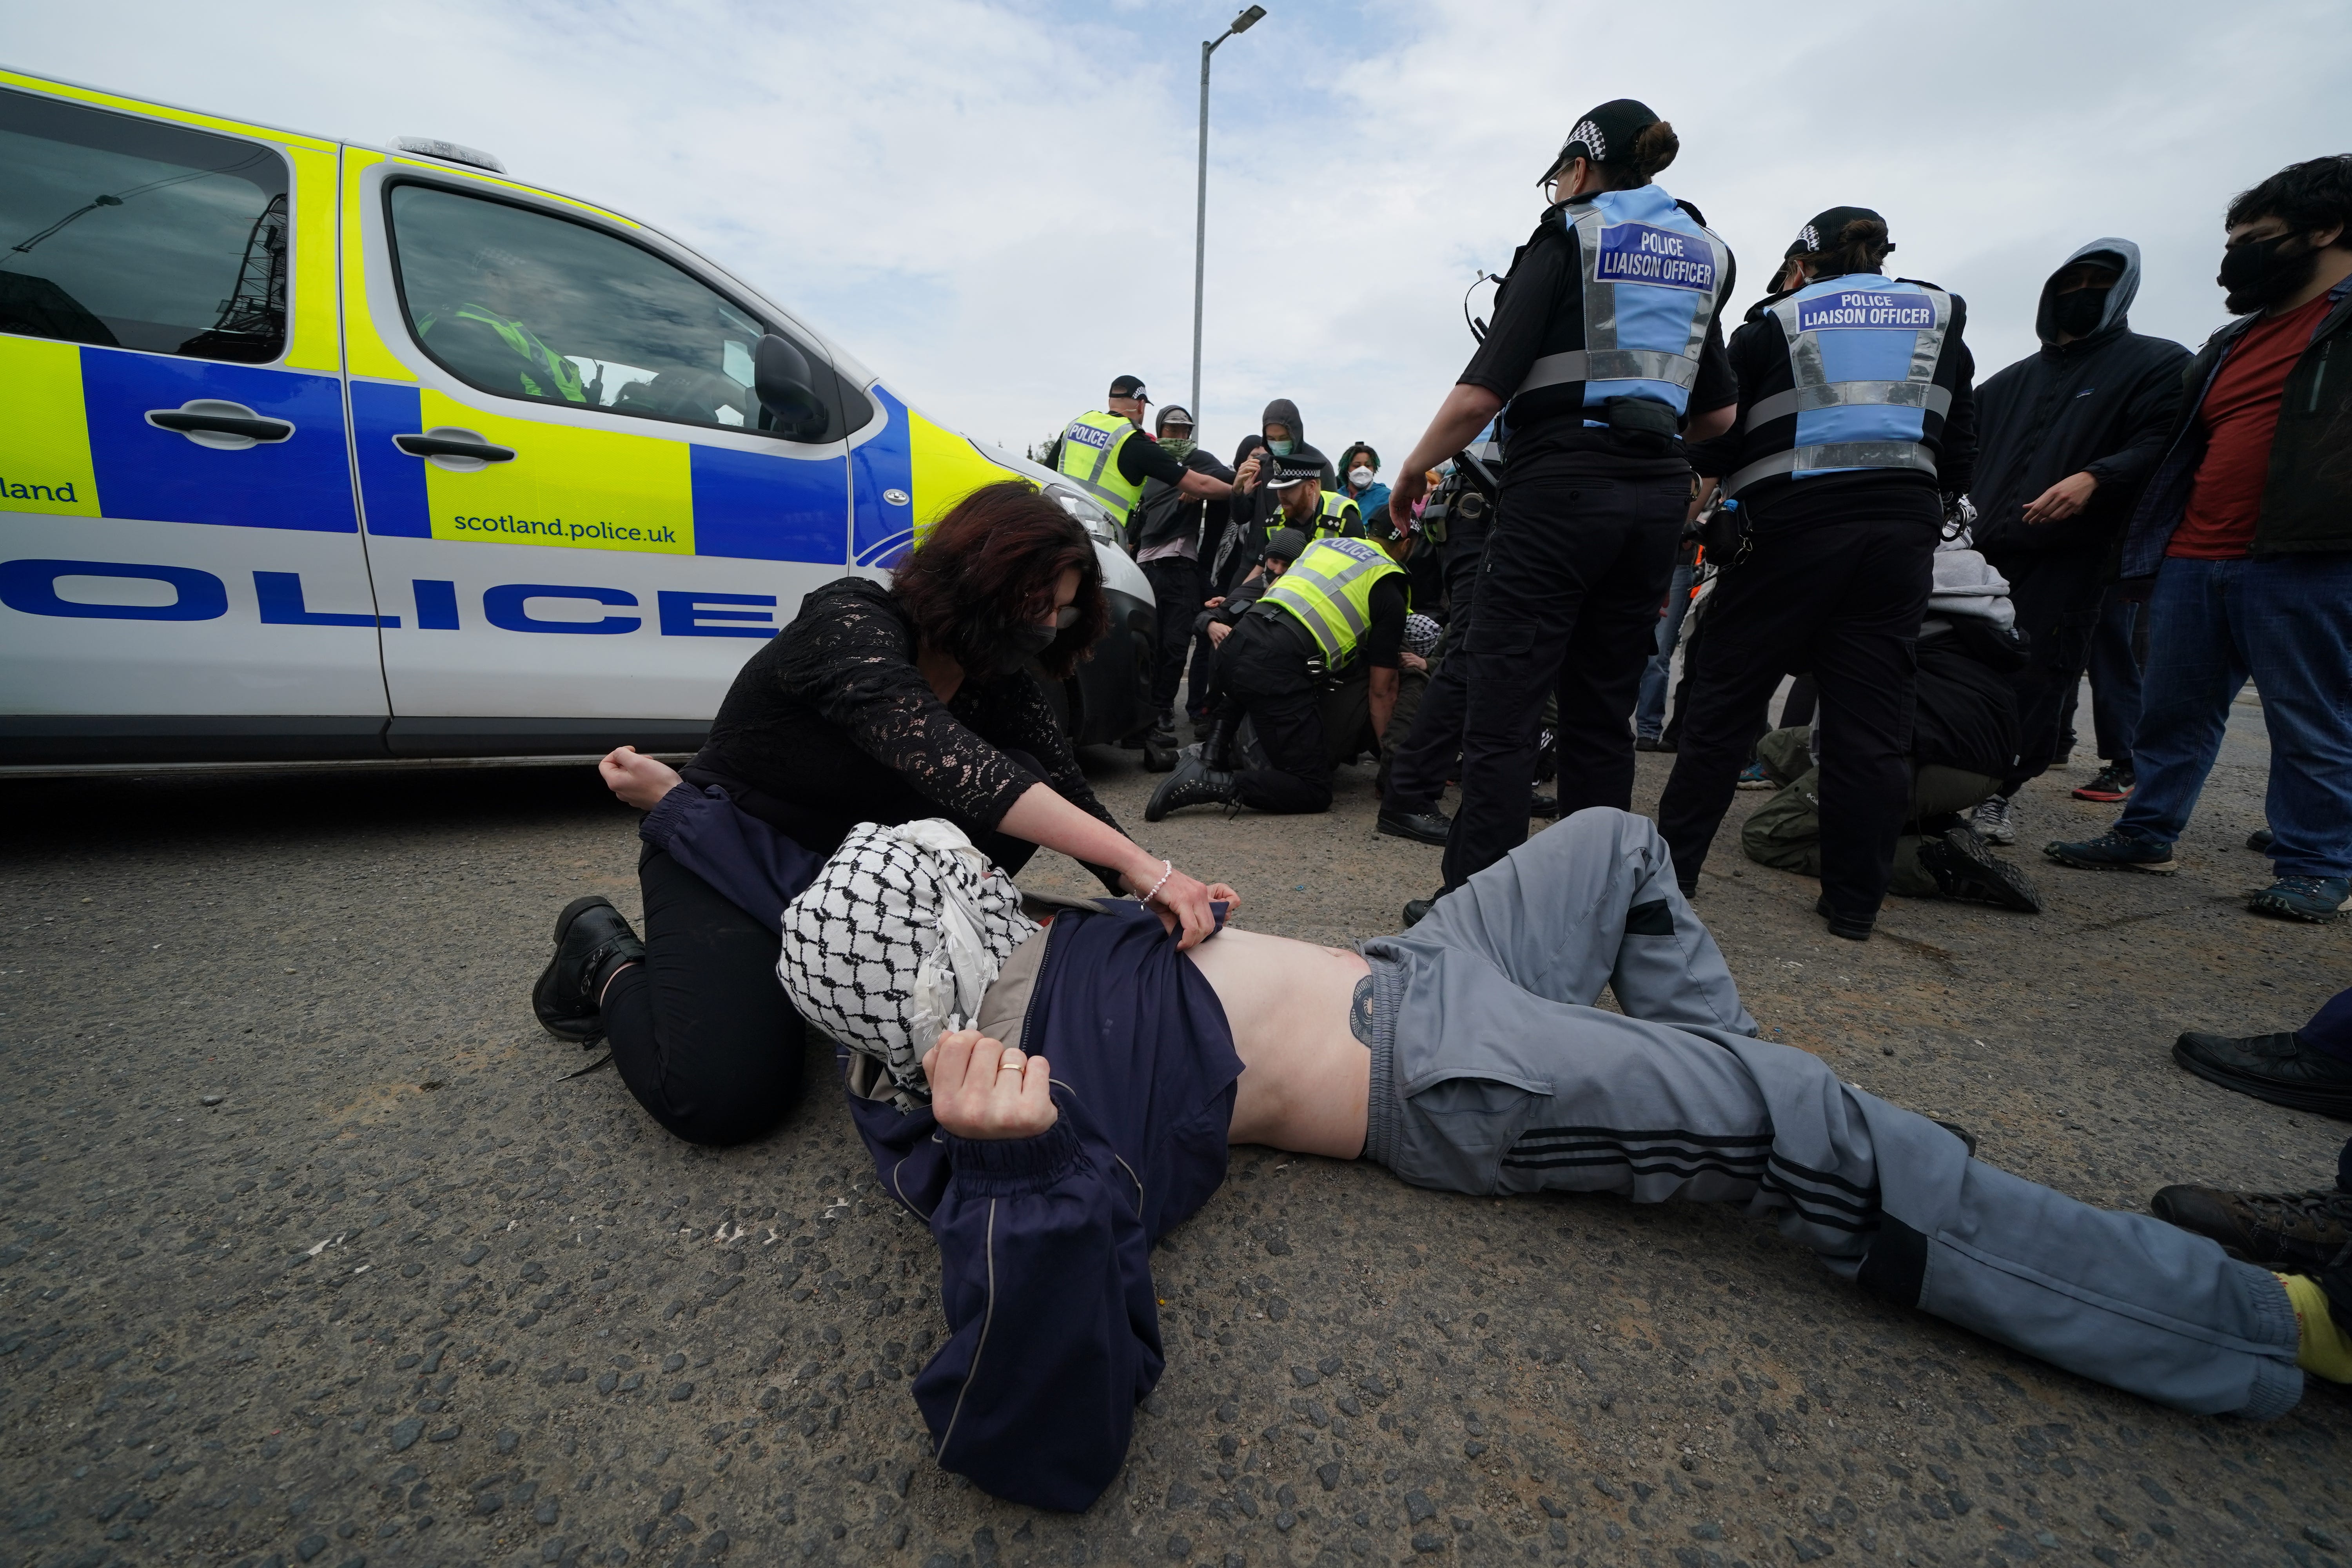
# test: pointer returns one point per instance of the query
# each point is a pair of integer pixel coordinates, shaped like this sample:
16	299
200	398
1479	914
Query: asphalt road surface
314	1254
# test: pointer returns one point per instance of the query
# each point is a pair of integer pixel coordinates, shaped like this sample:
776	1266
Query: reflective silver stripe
1928	346
1836	455
1600	298
1290	595
1841	393
1612	365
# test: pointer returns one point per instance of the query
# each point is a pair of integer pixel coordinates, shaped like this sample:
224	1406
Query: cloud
992	205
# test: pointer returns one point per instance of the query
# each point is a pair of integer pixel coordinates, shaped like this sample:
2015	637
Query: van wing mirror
785	385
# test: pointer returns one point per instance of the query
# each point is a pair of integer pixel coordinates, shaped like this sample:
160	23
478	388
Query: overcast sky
991	205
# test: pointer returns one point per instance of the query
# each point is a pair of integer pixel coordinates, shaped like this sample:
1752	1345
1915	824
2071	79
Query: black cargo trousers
1568	597
1844	601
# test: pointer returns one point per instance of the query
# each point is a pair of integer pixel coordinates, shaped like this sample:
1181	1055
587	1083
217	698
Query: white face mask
1362	478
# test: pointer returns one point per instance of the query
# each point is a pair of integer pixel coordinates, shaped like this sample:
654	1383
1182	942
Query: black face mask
2079	313
2257	273
1025	642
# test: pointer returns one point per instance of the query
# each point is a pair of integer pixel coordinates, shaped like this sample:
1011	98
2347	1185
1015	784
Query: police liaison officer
1856	421
1107	454
1342	602
1607	348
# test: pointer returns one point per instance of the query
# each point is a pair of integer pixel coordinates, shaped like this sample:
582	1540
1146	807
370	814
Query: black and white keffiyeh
900	935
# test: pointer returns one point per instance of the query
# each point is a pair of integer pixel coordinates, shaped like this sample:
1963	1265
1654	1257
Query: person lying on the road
1067	1114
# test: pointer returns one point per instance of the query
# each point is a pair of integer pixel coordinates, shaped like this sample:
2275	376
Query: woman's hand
1182	902
1218	632
983	1089
640	781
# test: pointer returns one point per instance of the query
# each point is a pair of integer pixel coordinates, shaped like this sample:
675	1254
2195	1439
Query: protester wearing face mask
880	702
1280	438
1360	475
2065	439
2246	528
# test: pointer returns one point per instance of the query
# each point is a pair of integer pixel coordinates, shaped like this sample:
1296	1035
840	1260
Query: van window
132	235
526	304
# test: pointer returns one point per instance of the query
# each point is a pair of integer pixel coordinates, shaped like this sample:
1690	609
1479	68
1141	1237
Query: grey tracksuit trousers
1492	1073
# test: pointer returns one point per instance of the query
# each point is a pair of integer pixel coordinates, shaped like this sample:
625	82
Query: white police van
316	451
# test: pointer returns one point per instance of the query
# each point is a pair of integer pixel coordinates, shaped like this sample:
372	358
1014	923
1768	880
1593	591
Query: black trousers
1176	595
1261	672
1419	768
1567	604
2056	597
701	1031
1842	600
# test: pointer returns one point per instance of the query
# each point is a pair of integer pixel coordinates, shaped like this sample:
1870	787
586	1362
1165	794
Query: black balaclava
2078	312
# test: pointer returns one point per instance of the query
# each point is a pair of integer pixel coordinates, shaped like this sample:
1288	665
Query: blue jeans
2285	621
1650	709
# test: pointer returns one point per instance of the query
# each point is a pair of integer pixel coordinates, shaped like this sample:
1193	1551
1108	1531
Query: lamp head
1248	19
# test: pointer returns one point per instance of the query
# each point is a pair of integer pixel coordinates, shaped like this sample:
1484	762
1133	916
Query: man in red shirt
2246	528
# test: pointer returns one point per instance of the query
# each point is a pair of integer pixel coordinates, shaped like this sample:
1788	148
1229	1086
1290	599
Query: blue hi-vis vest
1862	351
1652	278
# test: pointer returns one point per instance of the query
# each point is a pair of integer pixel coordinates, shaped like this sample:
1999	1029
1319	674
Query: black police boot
1844	926
1543	805
1421	826
1964	867
592	941
1417	909
1159	745
1193	783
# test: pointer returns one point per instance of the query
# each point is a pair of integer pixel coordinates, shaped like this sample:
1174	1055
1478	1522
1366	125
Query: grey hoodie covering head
2102	404
2123	256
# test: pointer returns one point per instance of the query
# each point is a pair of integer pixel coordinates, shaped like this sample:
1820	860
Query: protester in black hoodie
2066	438
1241	544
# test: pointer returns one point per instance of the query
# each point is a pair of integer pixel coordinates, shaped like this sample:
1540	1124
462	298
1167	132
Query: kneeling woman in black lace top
879	703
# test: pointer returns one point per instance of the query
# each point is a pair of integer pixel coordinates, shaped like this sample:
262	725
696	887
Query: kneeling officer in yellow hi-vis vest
1108	456
1341	604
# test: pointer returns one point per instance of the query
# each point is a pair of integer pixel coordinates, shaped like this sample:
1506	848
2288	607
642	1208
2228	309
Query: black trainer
1193	783
1844	926
1421	826
592	940
2294	1233
1965	868
2278	1067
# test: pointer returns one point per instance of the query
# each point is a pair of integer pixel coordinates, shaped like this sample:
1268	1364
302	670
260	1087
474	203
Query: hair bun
1655	148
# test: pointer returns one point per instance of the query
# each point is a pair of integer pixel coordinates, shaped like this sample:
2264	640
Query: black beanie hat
1285	544
1822	229
1605	134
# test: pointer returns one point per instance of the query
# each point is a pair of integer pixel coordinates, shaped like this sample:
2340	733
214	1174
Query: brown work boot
2294	1233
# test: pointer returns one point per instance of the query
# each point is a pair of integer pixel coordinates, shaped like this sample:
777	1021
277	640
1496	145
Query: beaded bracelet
1167	869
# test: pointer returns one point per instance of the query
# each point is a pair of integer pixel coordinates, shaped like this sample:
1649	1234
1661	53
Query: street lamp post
1240	24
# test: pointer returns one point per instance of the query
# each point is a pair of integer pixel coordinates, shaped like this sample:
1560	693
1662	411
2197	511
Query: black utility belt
1318	666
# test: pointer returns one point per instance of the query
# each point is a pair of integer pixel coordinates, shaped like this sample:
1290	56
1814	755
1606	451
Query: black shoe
1417	909
2294	1233
1648	743
1963	1135
1543	805
2275	1068
1160	751
1421	826
1965	868
2260	840
592	940
1193	783
1842	925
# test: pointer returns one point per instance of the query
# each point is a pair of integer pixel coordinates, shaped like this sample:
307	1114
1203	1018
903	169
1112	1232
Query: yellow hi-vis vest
1329	589
1335	512
527	346
1090	444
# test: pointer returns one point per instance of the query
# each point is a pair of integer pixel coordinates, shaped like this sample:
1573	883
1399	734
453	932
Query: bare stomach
1307	1078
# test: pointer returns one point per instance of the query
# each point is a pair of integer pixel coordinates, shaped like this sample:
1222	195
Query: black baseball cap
1823	228
1174	413
1288	543
1129	386
1604	134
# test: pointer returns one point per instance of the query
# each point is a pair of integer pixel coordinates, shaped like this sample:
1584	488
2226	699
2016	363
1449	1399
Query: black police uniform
1832	577
1581	547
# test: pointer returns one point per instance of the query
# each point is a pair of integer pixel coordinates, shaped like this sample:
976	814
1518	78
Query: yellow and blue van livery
323	451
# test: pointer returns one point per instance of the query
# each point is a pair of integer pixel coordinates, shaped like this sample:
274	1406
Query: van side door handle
219	424
426	445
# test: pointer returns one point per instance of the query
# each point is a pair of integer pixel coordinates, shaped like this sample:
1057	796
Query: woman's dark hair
1860	247
1348	460
2309	197
1653	149
990	565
